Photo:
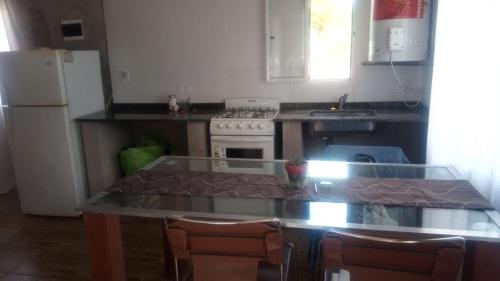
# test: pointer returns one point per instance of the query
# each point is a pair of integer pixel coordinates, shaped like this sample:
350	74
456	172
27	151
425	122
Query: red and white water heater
399	30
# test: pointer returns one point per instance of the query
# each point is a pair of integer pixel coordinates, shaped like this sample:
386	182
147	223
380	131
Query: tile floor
54	249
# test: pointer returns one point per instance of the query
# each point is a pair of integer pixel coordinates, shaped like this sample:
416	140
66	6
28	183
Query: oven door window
245	153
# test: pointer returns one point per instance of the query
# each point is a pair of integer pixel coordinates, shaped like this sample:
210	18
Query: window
4	42
308	39
330	39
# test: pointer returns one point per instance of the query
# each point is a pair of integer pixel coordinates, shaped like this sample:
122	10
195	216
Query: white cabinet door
287	42
32	78
44	162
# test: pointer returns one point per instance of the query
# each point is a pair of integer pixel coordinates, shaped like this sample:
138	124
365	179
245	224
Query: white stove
245	129
246	117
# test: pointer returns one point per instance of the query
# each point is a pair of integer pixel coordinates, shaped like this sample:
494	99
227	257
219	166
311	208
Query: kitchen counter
299	112
302	115
388	116
104	116
104	135
284	115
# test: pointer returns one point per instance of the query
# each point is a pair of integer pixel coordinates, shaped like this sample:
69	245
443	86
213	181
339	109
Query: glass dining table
186	187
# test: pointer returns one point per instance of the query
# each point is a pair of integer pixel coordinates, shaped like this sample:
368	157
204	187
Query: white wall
217	48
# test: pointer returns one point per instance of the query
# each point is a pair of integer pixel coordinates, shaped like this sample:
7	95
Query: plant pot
296	175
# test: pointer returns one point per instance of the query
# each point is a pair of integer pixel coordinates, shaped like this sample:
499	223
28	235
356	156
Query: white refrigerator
45	90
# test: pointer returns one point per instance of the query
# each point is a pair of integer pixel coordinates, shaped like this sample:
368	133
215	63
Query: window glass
330	39
4	43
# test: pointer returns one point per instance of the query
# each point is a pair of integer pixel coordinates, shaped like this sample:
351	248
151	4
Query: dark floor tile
8	265
61	265
14	254
55	249
16	277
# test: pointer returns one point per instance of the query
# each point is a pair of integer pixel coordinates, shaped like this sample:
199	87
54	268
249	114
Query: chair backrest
375	258
225	250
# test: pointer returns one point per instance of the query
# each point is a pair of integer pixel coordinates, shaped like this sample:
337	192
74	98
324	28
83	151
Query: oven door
243	147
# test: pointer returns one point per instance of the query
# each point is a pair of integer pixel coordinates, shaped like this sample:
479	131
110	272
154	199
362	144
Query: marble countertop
380	115
103	116
383	112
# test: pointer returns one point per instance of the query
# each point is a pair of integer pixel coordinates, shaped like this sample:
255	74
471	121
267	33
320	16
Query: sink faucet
342	101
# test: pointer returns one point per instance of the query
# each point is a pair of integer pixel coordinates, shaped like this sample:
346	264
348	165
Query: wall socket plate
125	76
396	38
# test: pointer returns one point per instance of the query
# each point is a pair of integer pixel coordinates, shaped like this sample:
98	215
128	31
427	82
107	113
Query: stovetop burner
247	113
245	117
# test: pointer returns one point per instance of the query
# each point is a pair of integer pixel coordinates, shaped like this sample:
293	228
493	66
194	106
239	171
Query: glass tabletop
316	169
299	213
306	214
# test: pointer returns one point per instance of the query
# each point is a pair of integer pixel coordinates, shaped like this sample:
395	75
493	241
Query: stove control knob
220	125
229	125
252	126
241	125
261	126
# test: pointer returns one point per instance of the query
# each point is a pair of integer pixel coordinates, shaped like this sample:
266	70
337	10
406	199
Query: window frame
307	50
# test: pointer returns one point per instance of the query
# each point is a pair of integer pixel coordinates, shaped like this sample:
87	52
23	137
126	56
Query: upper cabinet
287	44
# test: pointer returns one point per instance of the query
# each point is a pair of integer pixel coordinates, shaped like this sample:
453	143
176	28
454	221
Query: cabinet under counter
105	135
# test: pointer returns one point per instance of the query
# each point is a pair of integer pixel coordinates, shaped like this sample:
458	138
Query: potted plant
297	171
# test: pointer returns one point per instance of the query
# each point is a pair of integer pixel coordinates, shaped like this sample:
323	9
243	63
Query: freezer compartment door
43	153
32	78
82	73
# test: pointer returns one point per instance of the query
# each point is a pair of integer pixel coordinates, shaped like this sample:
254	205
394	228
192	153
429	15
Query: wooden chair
222	250
368	258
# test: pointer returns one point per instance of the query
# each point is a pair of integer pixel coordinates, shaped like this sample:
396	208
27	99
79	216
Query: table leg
197	138
104	240
293	144
482	260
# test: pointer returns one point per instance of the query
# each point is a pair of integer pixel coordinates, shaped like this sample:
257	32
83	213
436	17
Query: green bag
133	159
151	140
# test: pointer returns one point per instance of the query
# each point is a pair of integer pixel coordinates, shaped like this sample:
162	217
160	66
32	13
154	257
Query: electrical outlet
396	38
125	76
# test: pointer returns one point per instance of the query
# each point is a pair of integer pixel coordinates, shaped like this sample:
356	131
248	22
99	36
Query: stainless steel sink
331	127
345	113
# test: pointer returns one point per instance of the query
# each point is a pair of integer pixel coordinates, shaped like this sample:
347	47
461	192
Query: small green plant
296	161
296	169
